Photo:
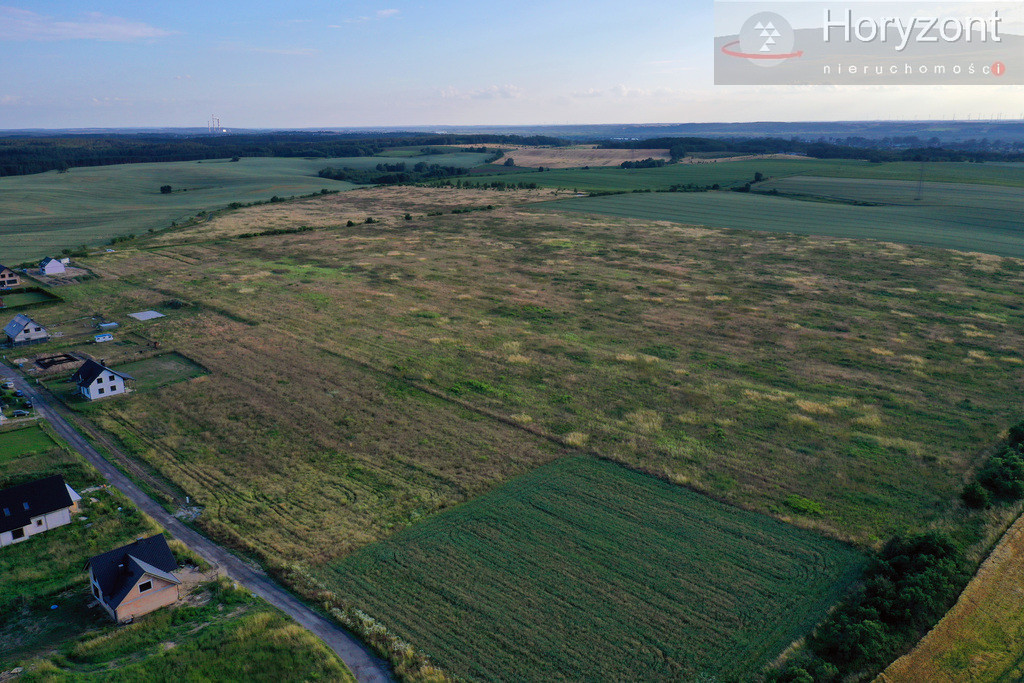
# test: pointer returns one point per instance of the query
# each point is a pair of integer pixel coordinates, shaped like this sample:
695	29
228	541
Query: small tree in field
510	162
165	189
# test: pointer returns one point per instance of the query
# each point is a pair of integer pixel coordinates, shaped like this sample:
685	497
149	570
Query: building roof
19	504
19	323
49	260
117	571
90	370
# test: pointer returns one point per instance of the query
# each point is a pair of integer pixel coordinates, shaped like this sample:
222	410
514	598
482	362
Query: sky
311	63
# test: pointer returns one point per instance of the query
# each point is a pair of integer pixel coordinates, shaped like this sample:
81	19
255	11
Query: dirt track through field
364	665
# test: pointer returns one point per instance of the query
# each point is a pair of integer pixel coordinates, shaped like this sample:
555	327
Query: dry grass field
387	204
365	377
982	637
574	157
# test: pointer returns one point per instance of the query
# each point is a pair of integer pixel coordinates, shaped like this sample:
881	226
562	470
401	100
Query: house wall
52	268
111	384
98	594
136	604
9	278
38	525
30	333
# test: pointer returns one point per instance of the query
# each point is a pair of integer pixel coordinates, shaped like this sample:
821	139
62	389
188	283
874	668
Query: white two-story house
96	380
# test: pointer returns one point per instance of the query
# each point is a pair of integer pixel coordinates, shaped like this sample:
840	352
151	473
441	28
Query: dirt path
364	665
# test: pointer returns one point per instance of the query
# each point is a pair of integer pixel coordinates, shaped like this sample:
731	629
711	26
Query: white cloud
491	92
21	24
381	14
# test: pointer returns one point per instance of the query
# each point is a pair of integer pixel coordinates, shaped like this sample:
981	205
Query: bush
1003	475
165	189
976	496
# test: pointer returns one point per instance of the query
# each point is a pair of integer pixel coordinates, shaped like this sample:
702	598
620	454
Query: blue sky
393	63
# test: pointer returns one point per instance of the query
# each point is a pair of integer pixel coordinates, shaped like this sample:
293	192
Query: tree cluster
392	174
645	163
906	589
1001	479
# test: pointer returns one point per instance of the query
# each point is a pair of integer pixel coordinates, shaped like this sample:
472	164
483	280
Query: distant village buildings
134	579
35	507
24	330
96	380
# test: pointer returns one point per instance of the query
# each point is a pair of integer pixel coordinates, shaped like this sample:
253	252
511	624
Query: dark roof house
96	380
136	578
34	507
90	370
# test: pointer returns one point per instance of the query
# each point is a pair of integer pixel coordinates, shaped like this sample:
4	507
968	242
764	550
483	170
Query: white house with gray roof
24	330
51	266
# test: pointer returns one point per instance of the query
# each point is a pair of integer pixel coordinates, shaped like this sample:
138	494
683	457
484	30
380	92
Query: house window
100	390
145	586
18	533
99	379
39	329
111	378
7	512
25	505
39	522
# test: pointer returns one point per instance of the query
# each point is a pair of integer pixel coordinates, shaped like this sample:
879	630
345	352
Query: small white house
37	506
105	337
24	330
51	266
96	380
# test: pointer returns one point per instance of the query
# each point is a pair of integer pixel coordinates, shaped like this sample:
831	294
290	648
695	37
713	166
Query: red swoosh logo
744	55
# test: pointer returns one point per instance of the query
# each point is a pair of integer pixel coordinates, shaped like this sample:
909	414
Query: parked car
20	413
28	403
19	393
8	384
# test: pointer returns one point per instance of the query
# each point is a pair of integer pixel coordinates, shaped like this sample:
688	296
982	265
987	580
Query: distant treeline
393	174
21	155
902	149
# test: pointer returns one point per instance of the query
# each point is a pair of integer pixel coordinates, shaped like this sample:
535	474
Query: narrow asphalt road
366	666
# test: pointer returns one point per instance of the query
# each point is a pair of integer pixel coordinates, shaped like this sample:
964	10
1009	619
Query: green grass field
16	443
970	218
44	213
159	371
584	570
18	299
732	173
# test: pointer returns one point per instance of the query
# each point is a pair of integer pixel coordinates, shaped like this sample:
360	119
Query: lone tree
510	162
165	189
